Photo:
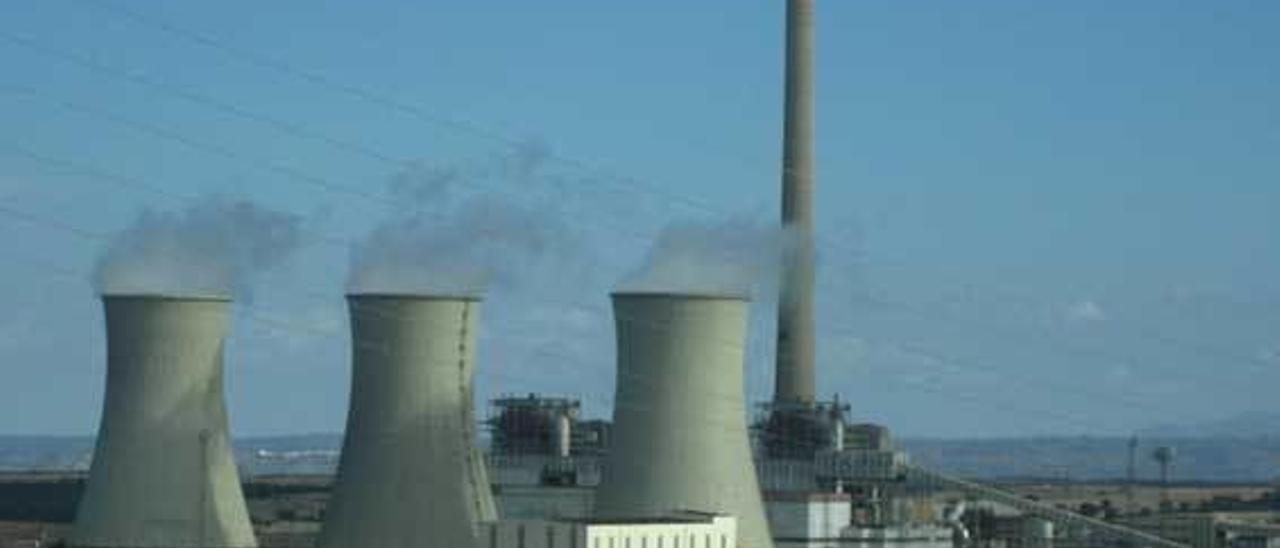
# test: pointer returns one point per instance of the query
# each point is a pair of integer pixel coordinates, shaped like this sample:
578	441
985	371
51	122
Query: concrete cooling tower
163	475
411	473
680	434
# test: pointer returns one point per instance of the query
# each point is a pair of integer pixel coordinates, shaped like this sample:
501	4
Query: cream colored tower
411	474
680	433
163	474
795	375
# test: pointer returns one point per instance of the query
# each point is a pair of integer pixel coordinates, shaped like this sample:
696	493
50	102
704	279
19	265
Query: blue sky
1035	217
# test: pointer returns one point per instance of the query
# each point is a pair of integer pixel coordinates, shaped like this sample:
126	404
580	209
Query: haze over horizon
1048	219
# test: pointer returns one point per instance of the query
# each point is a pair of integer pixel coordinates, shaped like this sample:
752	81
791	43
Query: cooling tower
163	475
411	474
680	435
795	377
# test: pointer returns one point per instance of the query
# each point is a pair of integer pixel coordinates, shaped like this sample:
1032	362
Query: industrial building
534	424
677	530
535	440
862	493
1211	530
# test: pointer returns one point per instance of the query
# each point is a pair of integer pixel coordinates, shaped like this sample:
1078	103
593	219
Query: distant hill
1257	424
21	453
1220	459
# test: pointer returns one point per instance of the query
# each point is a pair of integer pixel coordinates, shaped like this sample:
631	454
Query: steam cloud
736	258
463	249
213	247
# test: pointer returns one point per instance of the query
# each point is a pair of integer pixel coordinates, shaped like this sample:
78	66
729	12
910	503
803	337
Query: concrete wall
680	436
714	532
539	502
410	473
809	517
162	473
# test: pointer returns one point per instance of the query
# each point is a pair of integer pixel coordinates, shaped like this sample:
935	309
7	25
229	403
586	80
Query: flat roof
681	516
793	496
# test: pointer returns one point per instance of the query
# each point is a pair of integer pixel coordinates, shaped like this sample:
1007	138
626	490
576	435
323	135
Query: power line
292	128
301	131
318	296
325	184
318	79
133	183
968	368
257	162
986	400
228	109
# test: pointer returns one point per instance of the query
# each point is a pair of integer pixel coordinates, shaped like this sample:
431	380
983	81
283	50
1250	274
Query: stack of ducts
411	473
163	475
680	435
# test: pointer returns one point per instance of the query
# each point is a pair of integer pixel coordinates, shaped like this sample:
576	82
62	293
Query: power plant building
411	473
679	530
163	475
537	440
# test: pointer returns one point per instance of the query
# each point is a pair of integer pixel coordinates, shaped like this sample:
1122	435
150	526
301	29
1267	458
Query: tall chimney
163	475
411	472
680	437
795	378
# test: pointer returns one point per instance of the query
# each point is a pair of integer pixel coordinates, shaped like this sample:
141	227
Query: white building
682	530
797	518
825	520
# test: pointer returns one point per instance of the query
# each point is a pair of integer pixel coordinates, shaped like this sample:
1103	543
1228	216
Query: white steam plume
462	249
212	248
737	257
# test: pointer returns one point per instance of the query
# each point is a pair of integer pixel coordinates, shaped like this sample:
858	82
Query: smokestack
411	473
680	435
795	377
163	475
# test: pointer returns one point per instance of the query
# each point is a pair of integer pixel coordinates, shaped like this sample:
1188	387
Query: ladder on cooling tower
1071	520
